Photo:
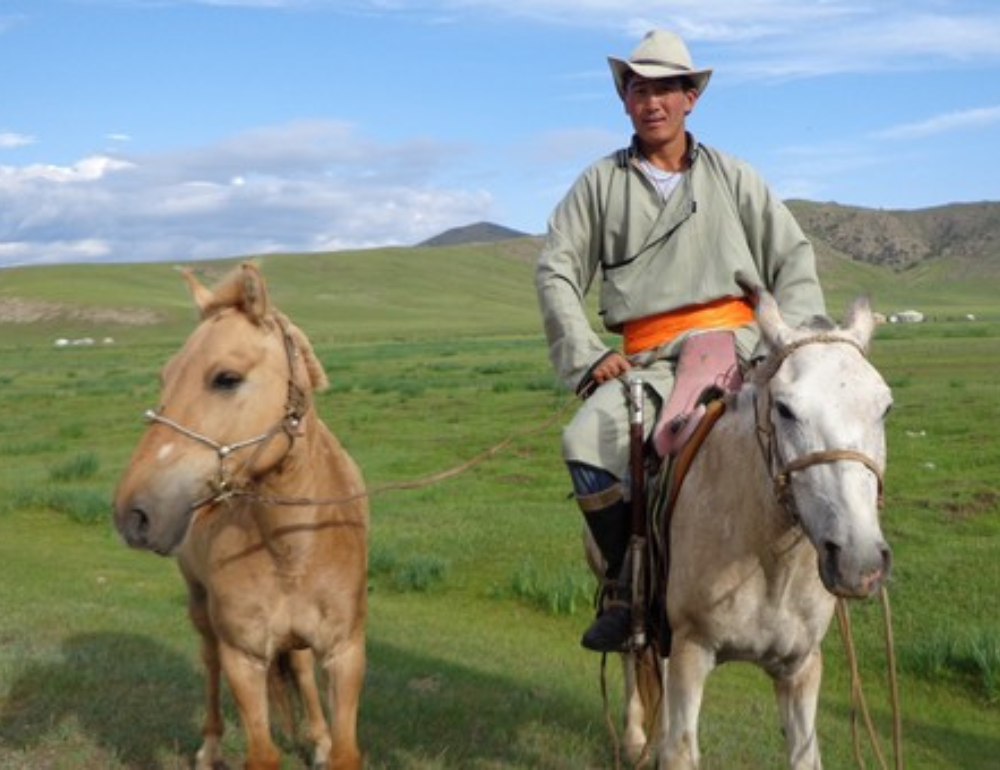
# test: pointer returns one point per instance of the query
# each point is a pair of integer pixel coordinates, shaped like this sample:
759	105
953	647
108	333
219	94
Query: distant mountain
480	232
966	235
962	237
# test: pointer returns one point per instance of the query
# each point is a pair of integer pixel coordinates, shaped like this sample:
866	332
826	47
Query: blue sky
185	129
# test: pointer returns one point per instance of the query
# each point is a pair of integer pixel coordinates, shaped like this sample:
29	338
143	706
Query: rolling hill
943	261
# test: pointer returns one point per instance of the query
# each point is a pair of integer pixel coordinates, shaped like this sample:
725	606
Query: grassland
478	588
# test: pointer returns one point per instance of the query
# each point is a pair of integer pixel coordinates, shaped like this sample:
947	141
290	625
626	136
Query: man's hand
611	367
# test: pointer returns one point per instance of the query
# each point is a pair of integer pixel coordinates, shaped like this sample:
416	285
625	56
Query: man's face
658	108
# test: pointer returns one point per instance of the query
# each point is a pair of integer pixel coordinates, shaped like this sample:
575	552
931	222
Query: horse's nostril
138	526
886	560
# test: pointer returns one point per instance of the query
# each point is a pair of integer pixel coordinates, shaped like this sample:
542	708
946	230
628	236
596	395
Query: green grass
479	590
566	592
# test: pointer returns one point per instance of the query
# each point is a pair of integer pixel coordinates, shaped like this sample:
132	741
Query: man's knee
590	480
583	430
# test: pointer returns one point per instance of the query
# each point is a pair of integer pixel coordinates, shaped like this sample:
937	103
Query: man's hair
687	82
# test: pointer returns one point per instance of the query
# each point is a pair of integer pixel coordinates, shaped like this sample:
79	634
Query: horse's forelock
859	323
818	323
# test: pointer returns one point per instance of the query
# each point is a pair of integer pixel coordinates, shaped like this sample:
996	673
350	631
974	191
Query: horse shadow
420	711
141	702
133	697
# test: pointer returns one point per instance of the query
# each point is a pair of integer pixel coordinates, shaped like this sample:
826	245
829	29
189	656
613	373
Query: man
667	222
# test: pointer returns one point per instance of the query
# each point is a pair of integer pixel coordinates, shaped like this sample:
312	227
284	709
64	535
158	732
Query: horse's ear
751	289
860	321
254	301
772	326
204	298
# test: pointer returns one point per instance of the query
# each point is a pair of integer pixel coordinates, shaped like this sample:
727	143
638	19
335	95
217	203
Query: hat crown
662	47
660	54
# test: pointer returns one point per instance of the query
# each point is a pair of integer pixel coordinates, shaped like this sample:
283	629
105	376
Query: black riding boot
610	527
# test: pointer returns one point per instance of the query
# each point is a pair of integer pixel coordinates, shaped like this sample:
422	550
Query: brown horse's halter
782	472
224	485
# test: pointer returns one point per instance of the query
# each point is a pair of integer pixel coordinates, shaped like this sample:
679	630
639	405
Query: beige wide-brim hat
660	54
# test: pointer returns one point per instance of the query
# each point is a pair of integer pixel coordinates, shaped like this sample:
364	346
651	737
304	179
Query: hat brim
621	68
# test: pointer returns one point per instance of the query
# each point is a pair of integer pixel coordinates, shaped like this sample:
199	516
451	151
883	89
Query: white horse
778	516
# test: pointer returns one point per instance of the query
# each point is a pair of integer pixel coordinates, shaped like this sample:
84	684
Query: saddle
706	369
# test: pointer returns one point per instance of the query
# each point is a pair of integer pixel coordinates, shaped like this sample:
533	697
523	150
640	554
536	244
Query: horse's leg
798	696
302	662
645	676
210	753
345	670
634	737
248	681
688	668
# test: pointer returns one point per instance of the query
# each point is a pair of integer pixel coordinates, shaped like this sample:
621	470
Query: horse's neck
303	473
315	487
729	490
735	445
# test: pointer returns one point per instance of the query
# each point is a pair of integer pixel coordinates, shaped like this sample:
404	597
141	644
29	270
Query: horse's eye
226	381
784	412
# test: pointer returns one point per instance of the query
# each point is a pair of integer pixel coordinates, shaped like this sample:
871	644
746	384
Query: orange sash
655	330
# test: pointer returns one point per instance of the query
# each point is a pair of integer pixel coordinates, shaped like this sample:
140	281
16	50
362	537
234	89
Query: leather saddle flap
707	362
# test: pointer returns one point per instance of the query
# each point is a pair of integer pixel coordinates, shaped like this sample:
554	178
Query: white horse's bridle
782	471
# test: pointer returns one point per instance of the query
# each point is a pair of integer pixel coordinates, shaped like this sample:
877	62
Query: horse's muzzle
134	527
849	576
137	525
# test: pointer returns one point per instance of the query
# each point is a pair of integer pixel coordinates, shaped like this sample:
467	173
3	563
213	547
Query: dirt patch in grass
980	503
965	508
15	310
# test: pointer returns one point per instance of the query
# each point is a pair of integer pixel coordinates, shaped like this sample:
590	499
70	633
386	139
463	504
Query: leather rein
782	471
224	486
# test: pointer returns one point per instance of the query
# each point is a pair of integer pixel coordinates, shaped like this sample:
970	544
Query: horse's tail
649	681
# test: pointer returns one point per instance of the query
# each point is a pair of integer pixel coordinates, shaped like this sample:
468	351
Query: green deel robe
652	257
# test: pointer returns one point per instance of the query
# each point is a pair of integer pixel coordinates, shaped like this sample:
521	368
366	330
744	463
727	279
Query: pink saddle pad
707	360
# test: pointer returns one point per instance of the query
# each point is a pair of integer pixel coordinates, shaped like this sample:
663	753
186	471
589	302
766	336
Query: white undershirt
665	182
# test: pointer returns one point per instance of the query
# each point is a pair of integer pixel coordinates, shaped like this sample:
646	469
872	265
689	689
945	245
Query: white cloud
311	185
86	170
756	38
10	140
298	187
962	120
53	252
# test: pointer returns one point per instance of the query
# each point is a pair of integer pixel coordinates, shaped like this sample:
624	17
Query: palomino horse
778	516
266	513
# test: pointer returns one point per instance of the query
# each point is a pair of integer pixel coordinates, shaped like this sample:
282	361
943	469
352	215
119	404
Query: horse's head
232	402
824	406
